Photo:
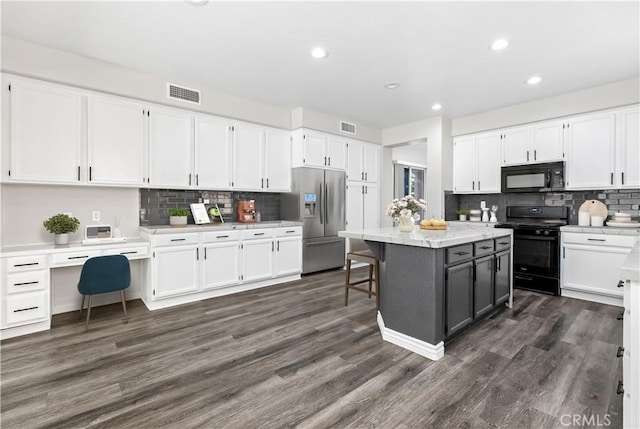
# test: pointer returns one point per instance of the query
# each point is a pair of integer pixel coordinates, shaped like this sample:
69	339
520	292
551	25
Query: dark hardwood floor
293	355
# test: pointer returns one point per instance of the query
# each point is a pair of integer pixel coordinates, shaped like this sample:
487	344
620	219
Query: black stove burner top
534	217
534	223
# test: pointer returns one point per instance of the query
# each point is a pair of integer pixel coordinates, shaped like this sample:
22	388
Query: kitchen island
435	283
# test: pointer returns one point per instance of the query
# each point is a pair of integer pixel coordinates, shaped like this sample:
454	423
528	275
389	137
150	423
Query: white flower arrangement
406	206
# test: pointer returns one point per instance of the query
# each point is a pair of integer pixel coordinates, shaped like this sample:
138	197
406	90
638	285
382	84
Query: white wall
412	153
320	121
31	60
25	207
587	100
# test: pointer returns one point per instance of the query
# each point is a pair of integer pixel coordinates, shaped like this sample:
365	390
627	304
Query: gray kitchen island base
434	284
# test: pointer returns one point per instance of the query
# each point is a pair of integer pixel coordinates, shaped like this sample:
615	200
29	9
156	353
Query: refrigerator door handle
326	203
321	206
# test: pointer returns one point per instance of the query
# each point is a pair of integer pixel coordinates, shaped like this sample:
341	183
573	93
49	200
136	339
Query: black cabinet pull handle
622	177
222	236
503	243
25	309
25	283
197	253
612	178
189	179
485	247
26	265
262	183
78	257
133	252
620	351
78	173
596	239
621	283
620	389
267	183
278	246
461	253
90	168
290	232
620	316
258	233
205	253
178	239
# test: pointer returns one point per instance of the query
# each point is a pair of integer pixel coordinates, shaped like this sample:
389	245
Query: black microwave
547	177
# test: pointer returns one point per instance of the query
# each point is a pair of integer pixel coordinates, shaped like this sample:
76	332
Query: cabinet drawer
459	253
27	282
257	233
482	248
503	243
26	263
285	232
599	239
176	239
129	252
72	258
27	308
220	236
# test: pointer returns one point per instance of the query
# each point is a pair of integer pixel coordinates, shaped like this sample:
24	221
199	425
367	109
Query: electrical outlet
95	216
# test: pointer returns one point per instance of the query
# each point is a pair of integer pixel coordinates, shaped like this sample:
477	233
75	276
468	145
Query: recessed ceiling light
197	2
499	44
319	52
534	80
436	106
392	85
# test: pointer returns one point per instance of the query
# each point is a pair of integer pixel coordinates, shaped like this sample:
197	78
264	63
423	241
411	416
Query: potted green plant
178	216
463	213
61	225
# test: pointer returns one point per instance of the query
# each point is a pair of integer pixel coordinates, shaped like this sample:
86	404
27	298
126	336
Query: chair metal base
124	309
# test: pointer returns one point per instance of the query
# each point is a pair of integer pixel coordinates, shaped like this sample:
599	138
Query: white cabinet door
464	165
355	206
46	133
170	148
257	259
288	256
247	157
355	166
175	270
515	146
212	153
115	141
370	163
371	207
336	153
221	264
590	152
547	142
314	150
277	161
488	152
628	149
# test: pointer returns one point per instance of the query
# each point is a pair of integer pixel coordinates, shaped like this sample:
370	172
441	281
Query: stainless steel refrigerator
317	199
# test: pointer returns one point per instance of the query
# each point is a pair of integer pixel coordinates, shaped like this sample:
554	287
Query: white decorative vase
462	217
177	220
406	224
61	239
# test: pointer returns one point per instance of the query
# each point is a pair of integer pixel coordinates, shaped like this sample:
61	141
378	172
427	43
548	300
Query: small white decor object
494	218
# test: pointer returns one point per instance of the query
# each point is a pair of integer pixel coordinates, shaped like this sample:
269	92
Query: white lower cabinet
591	265
191	266
629	386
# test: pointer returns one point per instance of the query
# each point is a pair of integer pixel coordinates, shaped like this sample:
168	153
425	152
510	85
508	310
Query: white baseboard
25	329
593	297
430	351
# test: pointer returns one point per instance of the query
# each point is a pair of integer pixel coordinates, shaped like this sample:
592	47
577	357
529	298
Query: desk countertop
168	229
31	249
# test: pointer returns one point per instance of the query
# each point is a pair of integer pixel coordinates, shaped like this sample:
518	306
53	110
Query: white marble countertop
30	249
631	267
601	230
457	233
168	229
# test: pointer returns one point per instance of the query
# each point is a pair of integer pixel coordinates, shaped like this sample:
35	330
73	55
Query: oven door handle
534	237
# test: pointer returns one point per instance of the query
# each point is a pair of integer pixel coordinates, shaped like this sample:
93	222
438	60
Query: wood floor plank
293	355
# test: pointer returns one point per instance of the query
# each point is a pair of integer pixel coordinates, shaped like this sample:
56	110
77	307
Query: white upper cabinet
247	157
533	144
116	139
170	148
488	166
316	149
628	149
277	166
548	142
212	153
336	153
476	164
362	161
464	164
46	133
590	151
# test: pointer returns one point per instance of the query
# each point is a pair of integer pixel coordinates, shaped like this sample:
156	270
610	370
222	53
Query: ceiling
437	51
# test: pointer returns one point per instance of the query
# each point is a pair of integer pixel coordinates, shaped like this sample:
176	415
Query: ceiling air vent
347	127
184	94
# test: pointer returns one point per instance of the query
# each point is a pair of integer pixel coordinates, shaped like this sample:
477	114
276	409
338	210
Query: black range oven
536	246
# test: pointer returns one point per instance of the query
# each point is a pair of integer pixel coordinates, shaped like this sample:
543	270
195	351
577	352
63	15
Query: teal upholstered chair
104	274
